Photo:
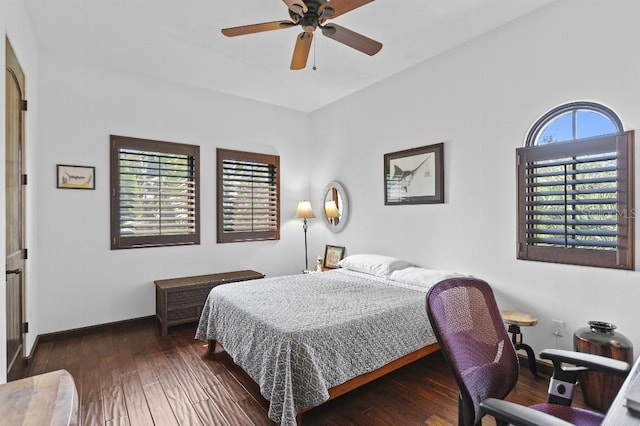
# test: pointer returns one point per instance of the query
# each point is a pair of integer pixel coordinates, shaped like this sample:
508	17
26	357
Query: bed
307	338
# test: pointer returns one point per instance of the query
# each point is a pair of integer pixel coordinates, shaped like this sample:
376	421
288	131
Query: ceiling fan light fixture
309	23
328	30
327	12
311	14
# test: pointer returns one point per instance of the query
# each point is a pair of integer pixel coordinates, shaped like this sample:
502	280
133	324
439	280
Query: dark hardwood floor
130	375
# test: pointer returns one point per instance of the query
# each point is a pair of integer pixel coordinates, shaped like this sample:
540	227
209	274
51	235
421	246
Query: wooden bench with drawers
180	300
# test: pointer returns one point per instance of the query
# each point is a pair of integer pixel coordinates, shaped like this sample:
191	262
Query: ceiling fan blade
301	51
296	6
334	8
352	39
257	28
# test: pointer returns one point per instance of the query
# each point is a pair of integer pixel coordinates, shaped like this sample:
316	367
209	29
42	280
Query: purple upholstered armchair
472	337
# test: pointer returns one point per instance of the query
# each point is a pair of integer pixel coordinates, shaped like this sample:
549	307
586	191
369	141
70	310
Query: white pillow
421	277
373	264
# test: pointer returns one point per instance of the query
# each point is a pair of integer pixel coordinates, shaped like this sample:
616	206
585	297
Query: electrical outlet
559	327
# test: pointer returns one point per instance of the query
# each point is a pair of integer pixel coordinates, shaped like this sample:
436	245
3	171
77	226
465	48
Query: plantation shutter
155	193
575	202
248	196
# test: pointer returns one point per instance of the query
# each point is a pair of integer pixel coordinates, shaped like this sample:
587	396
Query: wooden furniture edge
194	280
47	398
362	379
365	378
180	300
518	318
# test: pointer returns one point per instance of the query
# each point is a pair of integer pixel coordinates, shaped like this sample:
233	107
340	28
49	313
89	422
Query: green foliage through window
572	202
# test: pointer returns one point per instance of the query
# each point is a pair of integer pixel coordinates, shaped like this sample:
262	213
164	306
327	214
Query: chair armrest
592	362
518	415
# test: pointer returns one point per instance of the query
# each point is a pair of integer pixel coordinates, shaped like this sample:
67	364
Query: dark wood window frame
574	108
255	216
168	225
615	210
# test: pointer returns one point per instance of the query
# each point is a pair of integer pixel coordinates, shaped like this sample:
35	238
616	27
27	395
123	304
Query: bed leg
212	347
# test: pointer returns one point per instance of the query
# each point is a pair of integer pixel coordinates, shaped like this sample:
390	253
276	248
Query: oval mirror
335	206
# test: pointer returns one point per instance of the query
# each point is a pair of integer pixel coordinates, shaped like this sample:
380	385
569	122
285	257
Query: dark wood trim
29	358
82	331
621	258
365	378
223	154
128	242
76	332
549	116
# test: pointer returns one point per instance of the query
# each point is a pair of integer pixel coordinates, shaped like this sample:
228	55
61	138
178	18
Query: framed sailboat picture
414	176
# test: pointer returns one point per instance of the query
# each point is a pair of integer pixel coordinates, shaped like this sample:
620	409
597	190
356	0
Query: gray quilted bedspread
299	335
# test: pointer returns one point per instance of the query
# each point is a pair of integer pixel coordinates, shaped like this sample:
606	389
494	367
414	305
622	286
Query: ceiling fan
312	14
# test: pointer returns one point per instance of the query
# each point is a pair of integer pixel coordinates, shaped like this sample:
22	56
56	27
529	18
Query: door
14	162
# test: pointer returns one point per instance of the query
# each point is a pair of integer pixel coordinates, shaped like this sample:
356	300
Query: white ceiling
180	41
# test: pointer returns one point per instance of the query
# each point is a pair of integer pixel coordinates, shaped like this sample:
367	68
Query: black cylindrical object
599	389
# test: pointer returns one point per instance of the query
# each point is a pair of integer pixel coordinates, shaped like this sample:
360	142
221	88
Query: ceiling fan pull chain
314	54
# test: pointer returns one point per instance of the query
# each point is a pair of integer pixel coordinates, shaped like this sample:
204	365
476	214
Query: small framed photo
332	255
414	176
76	177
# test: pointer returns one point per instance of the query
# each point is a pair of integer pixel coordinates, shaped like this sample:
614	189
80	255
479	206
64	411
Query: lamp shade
331	209
304	210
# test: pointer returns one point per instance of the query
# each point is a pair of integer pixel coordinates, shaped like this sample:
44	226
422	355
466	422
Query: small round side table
516	320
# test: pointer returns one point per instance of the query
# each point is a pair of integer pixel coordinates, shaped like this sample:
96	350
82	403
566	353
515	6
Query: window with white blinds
248	196
575	202
155	191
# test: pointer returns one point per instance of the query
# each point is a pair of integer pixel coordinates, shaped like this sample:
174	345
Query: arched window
573	121
575	189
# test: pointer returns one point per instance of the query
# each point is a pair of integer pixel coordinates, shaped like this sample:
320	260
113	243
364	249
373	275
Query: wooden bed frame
362	379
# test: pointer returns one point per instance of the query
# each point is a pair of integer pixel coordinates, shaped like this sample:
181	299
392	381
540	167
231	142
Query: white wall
14	24
85	283
480	99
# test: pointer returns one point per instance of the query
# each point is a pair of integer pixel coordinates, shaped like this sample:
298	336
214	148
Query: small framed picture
76	177
332	255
